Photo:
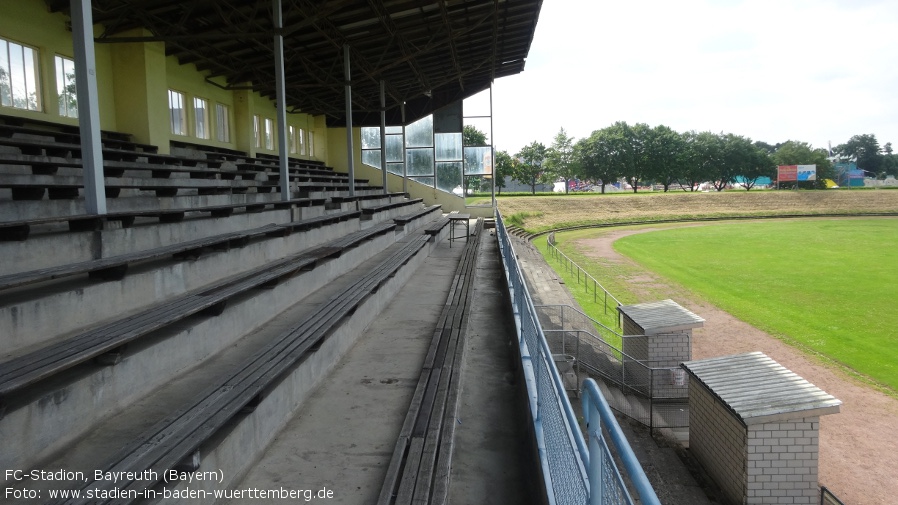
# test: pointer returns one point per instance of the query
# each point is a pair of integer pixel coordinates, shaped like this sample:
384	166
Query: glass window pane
31	78
371	157
477	105
201	116
448	146
394	168
420	161
311	143
394	148
482	124
420	133
449	176
370	137
222	123
269	133
394	130
60	85
478	160
5	88
178	114
427	181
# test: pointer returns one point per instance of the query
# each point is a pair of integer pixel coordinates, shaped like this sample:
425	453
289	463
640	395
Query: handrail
597	411
596	285
563	454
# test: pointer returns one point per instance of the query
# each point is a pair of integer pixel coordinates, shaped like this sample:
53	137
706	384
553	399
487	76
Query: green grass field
830	286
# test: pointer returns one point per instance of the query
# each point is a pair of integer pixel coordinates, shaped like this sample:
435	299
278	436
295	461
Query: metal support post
281	100
383	133
350	155
88	107
404	159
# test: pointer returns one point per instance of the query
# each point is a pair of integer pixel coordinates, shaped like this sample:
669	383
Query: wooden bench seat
435	227
407	218
175	439
34	187
392	205
50	165
71	135
21	229
30	368
422	457
115	267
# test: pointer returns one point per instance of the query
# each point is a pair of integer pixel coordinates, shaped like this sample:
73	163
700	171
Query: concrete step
60	410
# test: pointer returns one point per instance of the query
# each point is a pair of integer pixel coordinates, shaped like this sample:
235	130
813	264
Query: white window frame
65	83
20	87
178	116
268	134
222	123
201	118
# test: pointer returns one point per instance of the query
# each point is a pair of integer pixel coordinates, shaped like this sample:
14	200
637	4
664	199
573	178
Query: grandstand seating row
101	313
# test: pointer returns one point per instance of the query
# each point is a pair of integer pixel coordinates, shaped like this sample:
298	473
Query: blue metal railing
564	457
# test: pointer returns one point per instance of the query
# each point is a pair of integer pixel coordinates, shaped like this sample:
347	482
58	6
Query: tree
793	152
504	166
596	158
664	149
560	161
701	153
471	136
759	164
865	149
529	169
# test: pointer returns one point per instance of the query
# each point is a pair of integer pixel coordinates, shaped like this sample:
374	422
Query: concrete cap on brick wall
759	390
666	316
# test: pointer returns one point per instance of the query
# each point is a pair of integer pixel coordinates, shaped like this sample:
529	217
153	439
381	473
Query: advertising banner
785	173
807	172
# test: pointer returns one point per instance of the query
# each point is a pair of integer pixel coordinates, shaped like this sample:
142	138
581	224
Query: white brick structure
659	334
754	425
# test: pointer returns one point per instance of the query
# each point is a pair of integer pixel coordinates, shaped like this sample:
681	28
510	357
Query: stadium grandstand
210	292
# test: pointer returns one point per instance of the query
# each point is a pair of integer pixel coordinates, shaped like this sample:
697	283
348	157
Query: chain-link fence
564	457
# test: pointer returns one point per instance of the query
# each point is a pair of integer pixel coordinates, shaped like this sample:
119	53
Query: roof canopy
429	53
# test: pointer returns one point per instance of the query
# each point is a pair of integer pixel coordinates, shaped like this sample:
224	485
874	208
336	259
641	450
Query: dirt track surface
858	446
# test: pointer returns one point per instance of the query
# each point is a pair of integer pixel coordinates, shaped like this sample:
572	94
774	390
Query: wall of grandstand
133	80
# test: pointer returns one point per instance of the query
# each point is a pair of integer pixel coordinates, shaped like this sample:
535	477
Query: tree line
643	155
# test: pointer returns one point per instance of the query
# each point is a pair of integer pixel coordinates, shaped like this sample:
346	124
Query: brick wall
782	462
718	440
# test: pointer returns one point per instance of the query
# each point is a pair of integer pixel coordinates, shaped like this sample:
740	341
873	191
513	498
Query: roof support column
349	154
404	160
383	133
281	100
88	107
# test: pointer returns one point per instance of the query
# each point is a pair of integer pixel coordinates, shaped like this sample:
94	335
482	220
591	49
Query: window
178	113
291	138
257	131
201	117
301	138
269	133
311	143
65	87
222	123
19	82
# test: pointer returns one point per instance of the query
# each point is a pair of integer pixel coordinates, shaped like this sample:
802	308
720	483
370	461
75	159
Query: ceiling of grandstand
429	53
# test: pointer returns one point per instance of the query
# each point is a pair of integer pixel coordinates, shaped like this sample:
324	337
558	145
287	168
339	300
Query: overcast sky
772	70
